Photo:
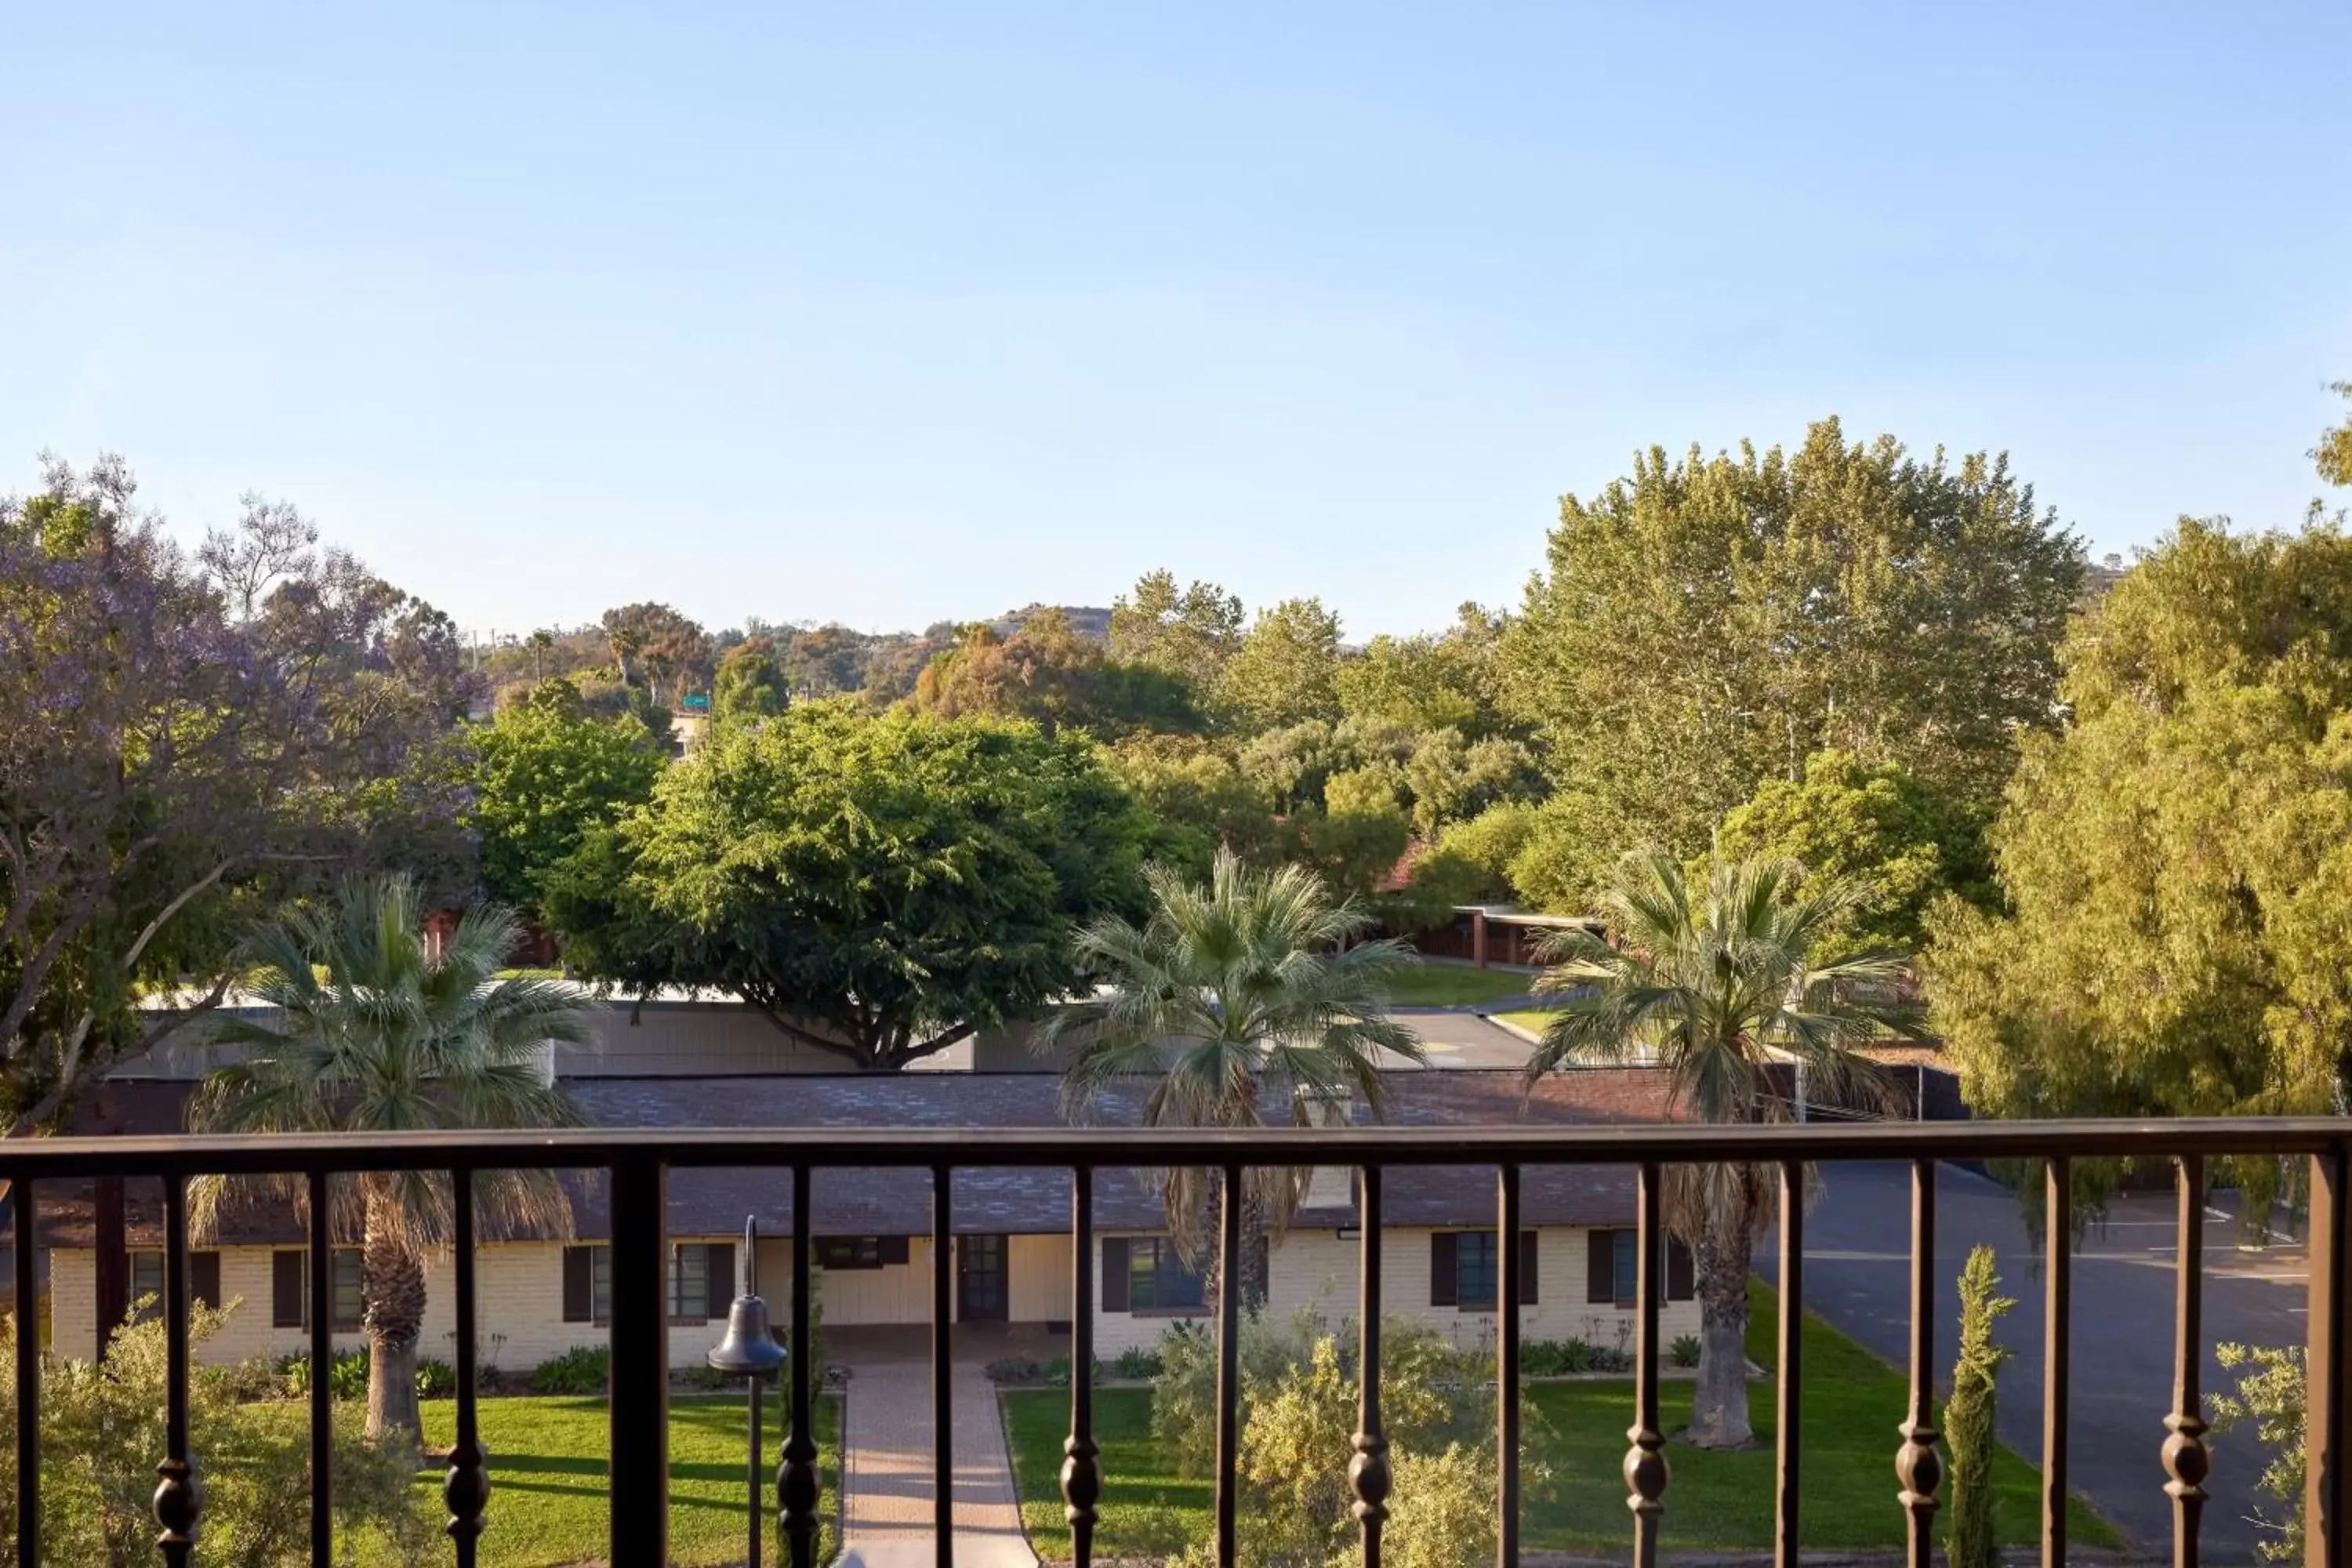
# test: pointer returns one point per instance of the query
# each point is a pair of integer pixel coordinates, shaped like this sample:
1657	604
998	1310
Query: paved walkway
887	1491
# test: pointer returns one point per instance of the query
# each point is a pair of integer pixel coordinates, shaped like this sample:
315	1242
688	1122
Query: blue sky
890	312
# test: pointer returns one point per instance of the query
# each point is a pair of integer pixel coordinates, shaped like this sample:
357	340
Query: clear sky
895	312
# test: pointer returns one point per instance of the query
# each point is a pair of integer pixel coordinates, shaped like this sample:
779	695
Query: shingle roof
864	1201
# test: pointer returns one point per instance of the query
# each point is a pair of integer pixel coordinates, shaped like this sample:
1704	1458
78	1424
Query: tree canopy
1709	623
2178	861
1057	677
878	887
546	772
1189	633
750	683
1286	671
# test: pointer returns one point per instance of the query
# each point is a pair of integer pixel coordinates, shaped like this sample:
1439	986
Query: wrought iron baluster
1788	1405
640	1371
1082	1481
2327	1475
1368	1472
796	1477
1229	1382
1507	1366
1646	1471
467	1490
179	1498
321	1286
942	1401
2057	1351
1917	1464
28	1376
2186	1461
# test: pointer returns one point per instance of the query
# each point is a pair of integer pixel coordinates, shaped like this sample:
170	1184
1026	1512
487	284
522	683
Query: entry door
981	1296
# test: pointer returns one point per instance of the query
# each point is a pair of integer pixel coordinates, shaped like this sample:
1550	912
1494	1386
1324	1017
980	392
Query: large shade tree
1709	623
184	742
1718	983
363	1026
878	888
546	772
1235	998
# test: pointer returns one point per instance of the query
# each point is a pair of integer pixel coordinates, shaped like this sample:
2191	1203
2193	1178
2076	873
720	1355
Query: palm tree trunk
392	1285
1721	1262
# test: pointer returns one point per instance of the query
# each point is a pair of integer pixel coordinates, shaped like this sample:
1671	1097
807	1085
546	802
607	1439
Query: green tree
1286	669
1716	984
656	645
1189	633
1708	623
878	887
1449	681
369	1029
1241	986
1198	801
2178	862
750	683
2274	1398
1362	832
1053	676
1848	818
546	775
2334	451
1969	1416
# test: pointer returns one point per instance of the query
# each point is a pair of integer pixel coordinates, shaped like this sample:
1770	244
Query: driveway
1857	1242
1455	1038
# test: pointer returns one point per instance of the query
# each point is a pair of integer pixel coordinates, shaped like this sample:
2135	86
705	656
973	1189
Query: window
147	1280
1613	1275
289	1290
1474	1269
588	1284
1625	1265
689	1283
1147	1274
1464	1269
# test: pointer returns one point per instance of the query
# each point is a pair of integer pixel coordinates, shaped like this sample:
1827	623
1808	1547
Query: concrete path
1464	1039
887	1490
1857	1276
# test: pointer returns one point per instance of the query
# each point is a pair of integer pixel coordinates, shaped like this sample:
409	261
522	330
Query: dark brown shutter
1601	1268
579	1285
203	1278
285	1291
894	1249
1682	1282
719	1275
1113	1274
1442	1281
1527	1269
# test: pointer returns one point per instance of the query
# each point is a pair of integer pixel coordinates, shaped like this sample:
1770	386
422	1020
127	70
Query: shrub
1686	1350
1058	1371
435	1379
2273	1396
1136	1364
103	1424
583	1369
347	1375
1023	1369
1555	1358
1968	1416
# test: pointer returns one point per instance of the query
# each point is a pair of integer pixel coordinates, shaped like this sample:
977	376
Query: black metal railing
638	1162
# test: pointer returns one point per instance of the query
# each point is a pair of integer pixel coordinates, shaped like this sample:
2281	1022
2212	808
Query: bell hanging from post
748	1349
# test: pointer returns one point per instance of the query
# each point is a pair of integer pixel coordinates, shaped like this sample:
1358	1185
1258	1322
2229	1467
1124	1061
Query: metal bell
748	1349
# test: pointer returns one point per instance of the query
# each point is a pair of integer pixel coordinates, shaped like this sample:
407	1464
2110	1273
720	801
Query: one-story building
540	1297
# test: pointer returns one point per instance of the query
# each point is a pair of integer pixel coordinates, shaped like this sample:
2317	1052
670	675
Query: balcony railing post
179	1497
2185	1458
1368	1472
322	1289
28	1376
1082	1480
1917	1464
1789	1389
1507	1366
466	1492
2327	1470
1646	1473
796	1477
1229	1371
640	1365
942	1353
2057	1351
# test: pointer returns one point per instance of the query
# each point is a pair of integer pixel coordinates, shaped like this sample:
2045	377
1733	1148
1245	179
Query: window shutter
1442	1282
1682	1281
1601	1268
285	1291
1527	1269
579	1299
895	1250
718	1278
203	1278
1113	1274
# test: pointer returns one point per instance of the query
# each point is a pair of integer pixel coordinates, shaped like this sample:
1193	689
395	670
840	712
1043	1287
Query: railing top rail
1116	1147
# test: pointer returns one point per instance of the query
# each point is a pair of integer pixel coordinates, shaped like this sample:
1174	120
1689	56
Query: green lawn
548	1496
1534	1021
1852	1403
1452	985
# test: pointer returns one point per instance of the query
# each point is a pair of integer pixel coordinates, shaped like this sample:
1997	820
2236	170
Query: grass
1719	1500
1454	984
1535	1020
548	1493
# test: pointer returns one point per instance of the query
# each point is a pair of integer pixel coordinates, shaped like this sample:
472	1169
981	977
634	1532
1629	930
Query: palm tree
1716	984
369	1029
1232	998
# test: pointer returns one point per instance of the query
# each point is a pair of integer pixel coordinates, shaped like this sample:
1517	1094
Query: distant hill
1089	620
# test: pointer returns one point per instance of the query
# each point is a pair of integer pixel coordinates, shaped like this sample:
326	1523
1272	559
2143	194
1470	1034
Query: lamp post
749	1351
